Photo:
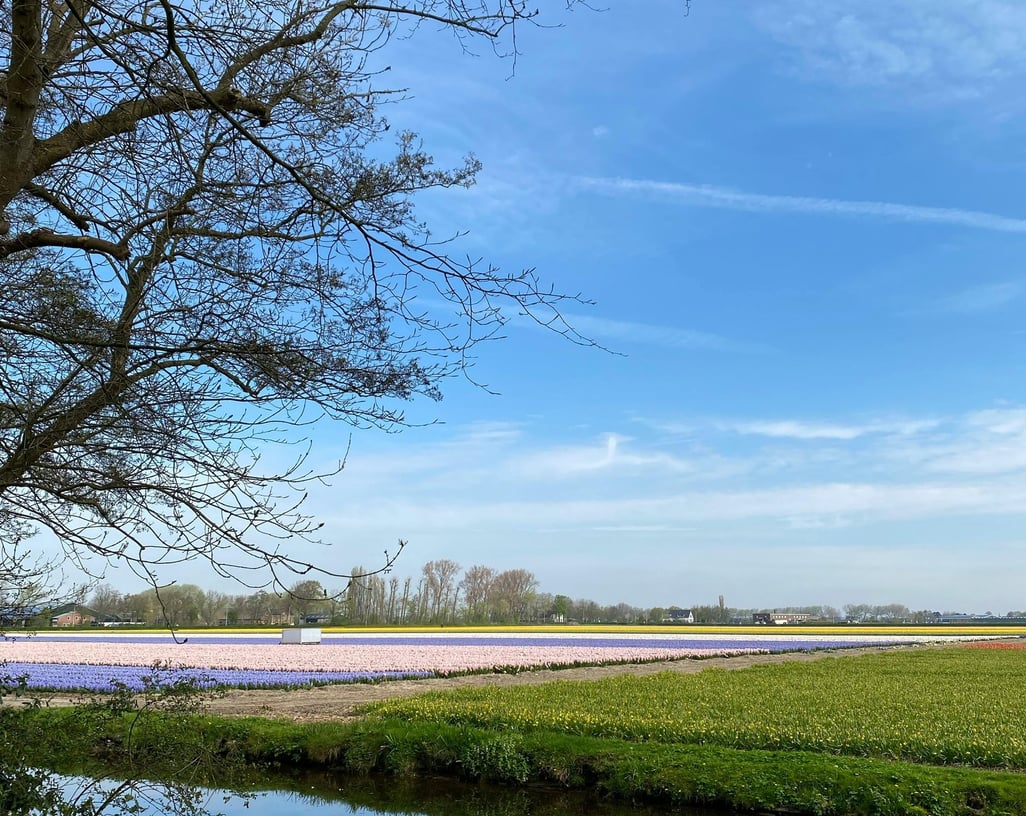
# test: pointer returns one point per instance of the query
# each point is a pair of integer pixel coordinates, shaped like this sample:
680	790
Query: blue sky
803	226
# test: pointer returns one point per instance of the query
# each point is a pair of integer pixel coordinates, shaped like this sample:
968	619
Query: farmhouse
72	615
677	615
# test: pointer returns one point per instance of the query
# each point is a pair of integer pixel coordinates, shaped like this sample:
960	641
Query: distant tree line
442	594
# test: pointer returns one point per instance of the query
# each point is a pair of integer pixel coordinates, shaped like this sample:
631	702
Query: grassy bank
761	781
933	732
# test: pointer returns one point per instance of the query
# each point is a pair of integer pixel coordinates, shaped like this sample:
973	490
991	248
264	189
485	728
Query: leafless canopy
207	242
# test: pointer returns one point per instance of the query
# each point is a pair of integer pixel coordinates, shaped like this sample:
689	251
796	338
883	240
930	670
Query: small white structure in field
301	634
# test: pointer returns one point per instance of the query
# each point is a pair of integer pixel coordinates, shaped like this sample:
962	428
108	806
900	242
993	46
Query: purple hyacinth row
84	677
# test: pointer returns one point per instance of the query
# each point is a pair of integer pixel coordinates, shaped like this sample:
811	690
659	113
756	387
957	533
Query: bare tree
476	585
179	605
587	610
262	607
390	607
404	605
215	608
27	584
365	598
356	601
105	599
510	594
206	247
306	598
439	585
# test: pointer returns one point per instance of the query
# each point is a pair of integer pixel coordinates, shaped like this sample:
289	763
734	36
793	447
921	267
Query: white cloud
843	475
797	430
992	441
607	331
570	460
461	452
949	50
1000	420
818	522
613	456
977	299
709	502
793	506
707	195
800	429
639	528
989	459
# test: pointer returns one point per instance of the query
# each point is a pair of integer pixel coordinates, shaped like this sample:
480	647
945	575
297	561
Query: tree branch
24	88
40	192
47	238
125	116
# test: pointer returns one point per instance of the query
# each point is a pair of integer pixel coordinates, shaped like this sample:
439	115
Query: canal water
324	794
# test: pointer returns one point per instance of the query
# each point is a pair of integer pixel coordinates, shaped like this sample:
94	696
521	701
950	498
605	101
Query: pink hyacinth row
347	658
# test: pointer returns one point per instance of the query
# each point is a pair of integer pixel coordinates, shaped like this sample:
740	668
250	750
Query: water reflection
321	794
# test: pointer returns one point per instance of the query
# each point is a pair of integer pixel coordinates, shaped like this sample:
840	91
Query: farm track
341	702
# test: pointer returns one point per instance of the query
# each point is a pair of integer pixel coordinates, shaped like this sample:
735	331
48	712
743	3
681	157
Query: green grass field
961	706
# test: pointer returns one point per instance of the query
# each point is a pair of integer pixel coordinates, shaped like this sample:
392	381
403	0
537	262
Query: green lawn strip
937	706
763	781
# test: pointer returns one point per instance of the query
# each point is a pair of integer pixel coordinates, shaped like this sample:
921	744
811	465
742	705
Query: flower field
87	661
961	706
